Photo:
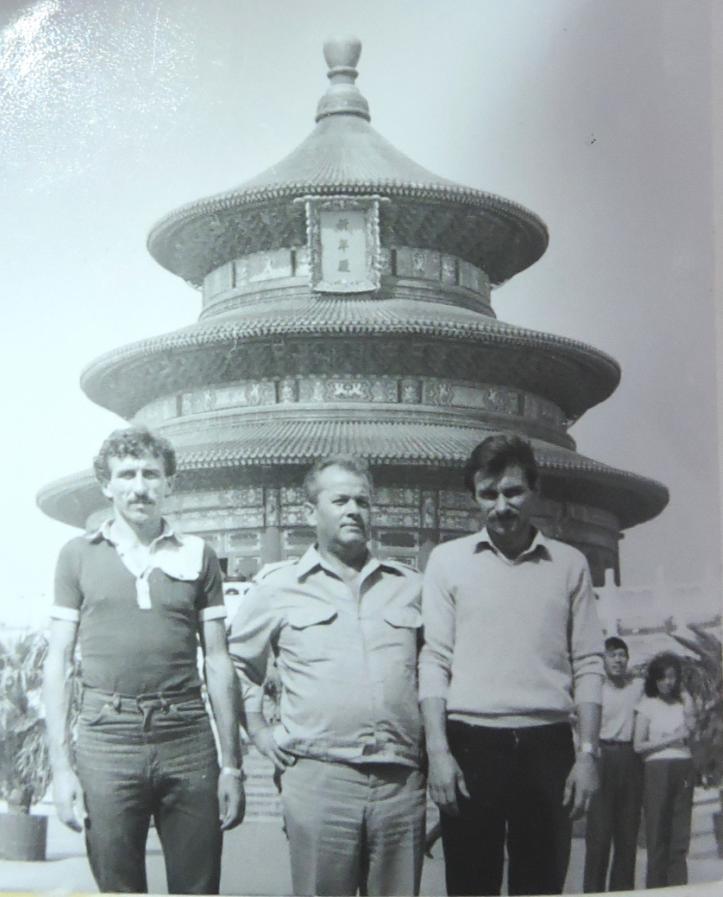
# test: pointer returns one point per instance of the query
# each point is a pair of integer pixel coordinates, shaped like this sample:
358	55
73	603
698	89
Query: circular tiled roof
572	374
567	475
344	154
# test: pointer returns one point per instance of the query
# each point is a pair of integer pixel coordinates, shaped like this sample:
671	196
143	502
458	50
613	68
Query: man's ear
170	484
105	489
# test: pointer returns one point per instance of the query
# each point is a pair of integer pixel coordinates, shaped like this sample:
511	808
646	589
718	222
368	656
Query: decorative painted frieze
293	515
328	390
463	521
391	495
405	262
348	389
456	500
292	495
389	515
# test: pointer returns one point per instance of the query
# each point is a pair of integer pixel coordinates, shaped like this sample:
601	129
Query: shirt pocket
403	630
309	637
403	617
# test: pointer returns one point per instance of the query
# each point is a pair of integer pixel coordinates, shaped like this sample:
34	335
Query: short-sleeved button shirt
346	658
127	648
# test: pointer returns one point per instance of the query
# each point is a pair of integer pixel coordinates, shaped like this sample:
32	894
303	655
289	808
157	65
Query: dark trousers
516	780
149	758
668	802
613	819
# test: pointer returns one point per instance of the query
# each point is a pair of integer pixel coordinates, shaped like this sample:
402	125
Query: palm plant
703	680
24	763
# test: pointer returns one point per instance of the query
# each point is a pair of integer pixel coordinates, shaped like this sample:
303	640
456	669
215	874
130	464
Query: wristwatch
587	747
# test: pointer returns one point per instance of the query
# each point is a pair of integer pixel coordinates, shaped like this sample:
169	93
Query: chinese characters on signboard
343	247
343	234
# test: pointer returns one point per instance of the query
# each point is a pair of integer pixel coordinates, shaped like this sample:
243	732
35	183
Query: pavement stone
255	861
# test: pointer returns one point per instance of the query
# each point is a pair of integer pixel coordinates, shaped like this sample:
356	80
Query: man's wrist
234	771
588	749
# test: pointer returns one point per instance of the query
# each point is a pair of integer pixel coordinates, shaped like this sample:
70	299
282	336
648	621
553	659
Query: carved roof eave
193	240
599	372
632	498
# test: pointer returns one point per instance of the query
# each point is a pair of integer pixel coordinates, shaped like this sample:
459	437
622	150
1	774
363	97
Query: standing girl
663	723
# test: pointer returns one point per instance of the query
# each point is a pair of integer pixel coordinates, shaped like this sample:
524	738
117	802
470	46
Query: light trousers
354	827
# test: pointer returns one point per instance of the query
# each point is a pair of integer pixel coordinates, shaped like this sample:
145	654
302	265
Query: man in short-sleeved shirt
137	595
344	629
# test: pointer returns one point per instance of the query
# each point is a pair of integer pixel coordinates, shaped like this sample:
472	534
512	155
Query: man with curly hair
140	596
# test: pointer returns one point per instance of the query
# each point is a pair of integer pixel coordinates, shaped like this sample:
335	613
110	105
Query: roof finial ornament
342	96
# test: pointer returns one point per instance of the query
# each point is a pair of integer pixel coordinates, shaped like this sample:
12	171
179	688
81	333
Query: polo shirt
509	643
346	656
138	630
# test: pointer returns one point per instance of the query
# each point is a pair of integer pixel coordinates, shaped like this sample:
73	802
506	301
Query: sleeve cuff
216	612
433	683
588	689
58	612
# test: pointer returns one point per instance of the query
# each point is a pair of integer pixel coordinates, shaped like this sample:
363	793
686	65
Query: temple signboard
343	238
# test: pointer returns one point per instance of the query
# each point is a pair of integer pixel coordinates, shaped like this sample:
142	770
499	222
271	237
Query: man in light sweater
513	647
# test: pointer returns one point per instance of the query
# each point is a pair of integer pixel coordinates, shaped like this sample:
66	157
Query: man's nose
500	503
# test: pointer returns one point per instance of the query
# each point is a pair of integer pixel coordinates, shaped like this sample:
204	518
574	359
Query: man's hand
445	779
266	744
231	800
581	784
68	796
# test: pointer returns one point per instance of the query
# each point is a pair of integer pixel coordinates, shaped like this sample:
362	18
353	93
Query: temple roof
567	475
344	154
570	373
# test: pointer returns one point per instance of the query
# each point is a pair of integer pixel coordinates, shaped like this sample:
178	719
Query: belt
145	704
614	743
174	697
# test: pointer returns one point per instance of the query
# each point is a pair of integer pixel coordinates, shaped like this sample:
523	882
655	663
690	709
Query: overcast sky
595	115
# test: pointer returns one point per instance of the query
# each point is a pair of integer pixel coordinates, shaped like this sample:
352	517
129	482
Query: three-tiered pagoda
346	308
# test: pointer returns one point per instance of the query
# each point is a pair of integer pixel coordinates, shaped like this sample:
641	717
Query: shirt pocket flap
301	618
403	617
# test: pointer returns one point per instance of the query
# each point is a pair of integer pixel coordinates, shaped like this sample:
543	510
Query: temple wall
251	525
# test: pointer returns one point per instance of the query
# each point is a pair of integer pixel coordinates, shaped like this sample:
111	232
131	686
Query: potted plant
24	764
703	679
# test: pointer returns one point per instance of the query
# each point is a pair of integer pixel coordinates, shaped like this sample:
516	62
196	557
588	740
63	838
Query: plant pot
22	836
718	831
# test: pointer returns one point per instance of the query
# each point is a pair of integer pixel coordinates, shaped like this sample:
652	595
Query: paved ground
256	861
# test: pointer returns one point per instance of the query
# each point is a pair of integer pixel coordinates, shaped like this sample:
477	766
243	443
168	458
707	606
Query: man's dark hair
497	452
656	670
614	643
347	462
134	442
